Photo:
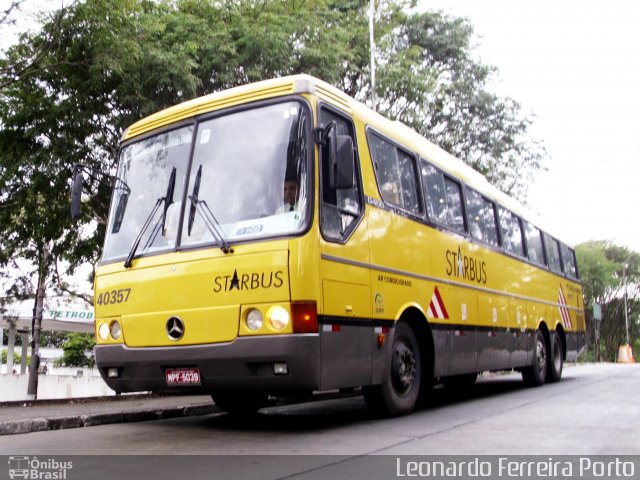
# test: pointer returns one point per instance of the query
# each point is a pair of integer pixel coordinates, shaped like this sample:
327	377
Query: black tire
556	360
239	402
535	375
399	391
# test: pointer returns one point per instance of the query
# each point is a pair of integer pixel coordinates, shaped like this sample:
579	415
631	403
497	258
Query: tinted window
396	174
435	193
534	244
482	218
511	232
454	204
553	253
443	198
568	261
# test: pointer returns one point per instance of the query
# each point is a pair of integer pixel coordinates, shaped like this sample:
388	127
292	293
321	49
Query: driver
290	196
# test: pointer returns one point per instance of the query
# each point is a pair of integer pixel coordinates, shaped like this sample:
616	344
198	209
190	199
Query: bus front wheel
398	393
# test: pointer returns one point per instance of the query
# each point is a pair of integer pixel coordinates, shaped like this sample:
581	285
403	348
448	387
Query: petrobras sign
71	315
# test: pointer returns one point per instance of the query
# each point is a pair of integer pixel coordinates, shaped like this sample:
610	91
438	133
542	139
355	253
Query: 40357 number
113	296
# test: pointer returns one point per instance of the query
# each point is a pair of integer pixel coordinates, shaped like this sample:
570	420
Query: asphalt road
594	410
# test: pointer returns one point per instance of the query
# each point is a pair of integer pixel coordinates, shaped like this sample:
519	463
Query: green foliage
596	270
75	351
606	281
53	339
429	80
17	358
69	90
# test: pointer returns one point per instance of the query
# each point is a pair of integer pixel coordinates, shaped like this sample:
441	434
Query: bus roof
298	84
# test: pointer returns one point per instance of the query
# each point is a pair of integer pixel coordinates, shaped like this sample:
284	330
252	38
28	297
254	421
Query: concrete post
25	351
10	346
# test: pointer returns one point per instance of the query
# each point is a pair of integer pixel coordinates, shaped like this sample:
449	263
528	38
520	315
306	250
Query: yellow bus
280	239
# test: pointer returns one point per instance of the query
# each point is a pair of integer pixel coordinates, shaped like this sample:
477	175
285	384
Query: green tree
75	351
53	339
605	280
17	358
430	81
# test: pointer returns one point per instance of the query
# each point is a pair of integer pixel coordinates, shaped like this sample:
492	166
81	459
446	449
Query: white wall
14	387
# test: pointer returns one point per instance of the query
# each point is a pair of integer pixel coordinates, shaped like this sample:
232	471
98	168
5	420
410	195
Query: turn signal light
305	317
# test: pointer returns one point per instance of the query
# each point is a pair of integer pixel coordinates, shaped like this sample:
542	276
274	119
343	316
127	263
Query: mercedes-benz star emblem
175	328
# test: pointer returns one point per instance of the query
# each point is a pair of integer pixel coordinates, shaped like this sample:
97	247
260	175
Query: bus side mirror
76	193
341	161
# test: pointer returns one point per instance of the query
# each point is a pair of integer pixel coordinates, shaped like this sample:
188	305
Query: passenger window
342	207
534	244
511	230
454	204
482	218
435	193
443	198
553	253
396	174
568	261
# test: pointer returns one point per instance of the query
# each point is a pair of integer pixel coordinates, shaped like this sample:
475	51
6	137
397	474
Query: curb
78	400
59	423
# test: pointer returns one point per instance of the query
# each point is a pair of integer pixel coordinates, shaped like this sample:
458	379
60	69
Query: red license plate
182	376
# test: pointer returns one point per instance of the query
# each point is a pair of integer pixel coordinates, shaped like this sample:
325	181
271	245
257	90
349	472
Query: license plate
182	376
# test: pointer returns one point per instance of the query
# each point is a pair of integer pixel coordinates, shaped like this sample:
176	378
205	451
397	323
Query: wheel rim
403	368
541	357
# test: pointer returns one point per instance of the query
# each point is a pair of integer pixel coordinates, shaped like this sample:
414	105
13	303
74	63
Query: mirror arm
322	133
111	181
99	176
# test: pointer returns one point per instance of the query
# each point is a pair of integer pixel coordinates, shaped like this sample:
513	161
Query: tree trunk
36	323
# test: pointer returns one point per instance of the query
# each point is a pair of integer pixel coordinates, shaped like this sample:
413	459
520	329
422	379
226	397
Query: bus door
345	323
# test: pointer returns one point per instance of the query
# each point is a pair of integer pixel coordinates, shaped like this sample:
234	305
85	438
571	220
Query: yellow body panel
203	325
344	299
197	287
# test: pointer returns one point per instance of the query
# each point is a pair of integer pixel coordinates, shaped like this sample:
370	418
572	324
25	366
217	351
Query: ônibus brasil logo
38	469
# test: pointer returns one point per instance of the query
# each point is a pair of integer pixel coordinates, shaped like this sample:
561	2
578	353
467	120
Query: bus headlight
103	331
115	329
254	319
278	317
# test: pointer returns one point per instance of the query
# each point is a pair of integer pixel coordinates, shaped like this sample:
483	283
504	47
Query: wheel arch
418	322
544	328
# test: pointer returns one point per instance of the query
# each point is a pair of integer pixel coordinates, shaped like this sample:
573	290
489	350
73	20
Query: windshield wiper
194	200
167	200
207	215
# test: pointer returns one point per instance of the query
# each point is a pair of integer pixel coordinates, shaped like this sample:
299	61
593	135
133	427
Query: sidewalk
40	415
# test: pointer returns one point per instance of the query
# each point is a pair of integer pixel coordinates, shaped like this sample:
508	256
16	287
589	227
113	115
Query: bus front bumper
245	363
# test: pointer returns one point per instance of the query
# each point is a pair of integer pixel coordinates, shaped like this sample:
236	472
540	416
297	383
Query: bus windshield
247	180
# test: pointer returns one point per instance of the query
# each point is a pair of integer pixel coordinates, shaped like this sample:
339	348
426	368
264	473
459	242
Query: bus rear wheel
399	391
554	369
535	374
